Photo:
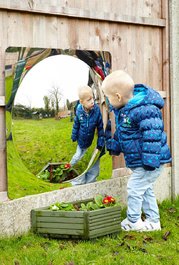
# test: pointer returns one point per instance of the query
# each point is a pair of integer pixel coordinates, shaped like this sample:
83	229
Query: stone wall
15	215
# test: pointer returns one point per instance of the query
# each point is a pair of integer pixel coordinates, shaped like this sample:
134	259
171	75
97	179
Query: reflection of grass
8	123
9	83
20	181
39	142
105	167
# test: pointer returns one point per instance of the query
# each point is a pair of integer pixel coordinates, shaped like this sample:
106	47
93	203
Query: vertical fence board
139	49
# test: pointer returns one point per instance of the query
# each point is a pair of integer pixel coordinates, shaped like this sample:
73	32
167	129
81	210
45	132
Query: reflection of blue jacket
84	127
140	131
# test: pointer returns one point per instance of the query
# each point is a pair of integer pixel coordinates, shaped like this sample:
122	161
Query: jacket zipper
87	119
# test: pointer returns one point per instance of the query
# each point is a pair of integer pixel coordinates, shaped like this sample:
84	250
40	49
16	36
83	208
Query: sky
63	71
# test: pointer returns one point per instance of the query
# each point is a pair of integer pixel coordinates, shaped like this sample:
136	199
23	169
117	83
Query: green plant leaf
58	172
83	207
99	200
54	207
89	206
44	175
94	206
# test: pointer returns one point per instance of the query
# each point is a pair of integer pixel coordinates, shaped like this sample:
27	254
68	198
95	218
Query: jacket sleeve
151	126
75	130
112	144
115	145
100	129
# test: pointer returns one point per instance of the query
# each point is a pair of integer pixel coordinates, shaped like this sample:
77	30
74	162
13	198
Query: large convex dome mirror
41	96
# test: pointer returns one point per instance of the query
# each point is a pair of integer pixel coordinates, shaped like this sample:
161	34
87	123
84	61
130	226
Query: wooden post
3	162
165	78
174	88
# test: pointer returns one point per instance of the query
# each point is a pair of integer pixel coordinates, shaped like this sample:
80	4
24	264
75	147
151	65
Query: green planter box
76	224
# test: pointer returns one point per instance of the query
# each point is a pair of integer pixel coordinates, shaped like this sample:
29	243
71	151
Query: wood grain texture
82	224
135	34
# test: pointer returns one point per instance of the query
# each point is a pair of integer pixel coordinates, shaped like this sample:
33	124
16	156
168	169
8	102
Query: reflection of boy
140	136
88	118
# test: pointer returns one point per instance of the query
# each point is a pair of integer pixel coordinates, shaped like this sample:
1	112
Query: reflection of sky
60	71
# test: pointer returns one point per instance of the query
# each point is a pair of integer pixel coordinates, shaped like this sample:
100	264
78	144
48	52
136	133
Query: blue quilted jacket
140	131
84	127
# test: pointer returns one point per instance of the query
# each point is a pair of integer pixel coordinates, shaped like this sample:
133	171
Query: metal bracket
2	101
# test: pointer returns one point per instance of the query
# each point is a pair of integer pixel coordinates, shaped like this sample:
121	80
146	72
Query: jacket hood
144	95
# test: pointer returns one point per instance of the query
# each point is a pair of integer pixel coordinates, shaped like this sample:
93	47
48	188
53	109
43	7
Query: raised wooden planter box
76	224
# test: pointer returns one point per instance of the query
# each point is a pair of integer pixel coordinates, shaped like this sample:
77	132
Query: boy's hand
108	145
108	136
108	130
99	148
112	144
73	139
113	153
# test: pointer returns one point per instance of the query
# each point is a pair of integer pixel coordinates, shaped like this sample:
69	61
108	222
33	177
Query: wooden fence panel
135	34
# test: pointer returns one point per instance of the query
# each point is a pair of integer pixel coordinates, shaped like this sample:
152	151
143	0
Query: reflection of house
36	115
63	114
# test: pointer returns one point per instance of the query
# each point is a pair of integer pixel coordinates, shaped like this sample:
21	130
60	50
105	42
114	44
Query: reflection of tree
69	104
21	111
47	104
52	107
55	98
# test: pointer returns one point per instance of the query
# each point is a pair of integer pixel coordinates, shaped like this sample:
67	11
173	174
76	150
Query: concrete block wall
15	215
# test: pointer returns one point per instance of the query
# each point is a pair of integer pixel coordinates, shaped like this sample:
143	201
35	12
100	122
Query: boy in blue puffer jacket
141	138
88	118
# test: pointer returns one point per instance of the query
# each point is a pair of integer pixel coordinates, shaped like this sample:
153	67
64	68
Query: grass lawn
37	142
125	248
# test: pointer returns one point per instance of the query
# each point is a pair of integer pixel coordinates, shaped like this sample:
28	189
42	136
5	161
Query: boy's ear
119	96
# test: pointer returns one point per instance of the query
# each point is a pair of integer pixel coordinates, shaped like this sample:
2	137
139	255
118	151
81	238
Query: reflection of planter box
68	175
76	224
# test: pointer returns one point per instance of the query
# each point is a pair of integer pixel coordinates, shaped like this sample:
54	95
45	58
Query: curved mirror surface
41	97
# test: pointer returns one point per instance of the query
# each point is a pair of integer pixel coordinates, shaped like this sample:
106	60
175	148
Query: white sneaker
126	225
151	226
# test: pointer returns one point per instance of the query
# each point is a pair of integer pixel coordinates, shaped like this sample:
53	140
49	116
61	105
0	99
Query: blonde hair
118	82
84	92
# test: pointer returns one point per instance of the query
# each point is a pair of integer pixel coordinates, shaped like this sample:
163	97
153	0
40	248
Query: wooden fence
135	32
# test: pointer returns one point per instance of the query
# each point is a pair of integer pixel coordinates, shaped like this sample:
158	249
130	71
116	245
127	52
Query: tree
46	100
21	111
69	104
55	97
